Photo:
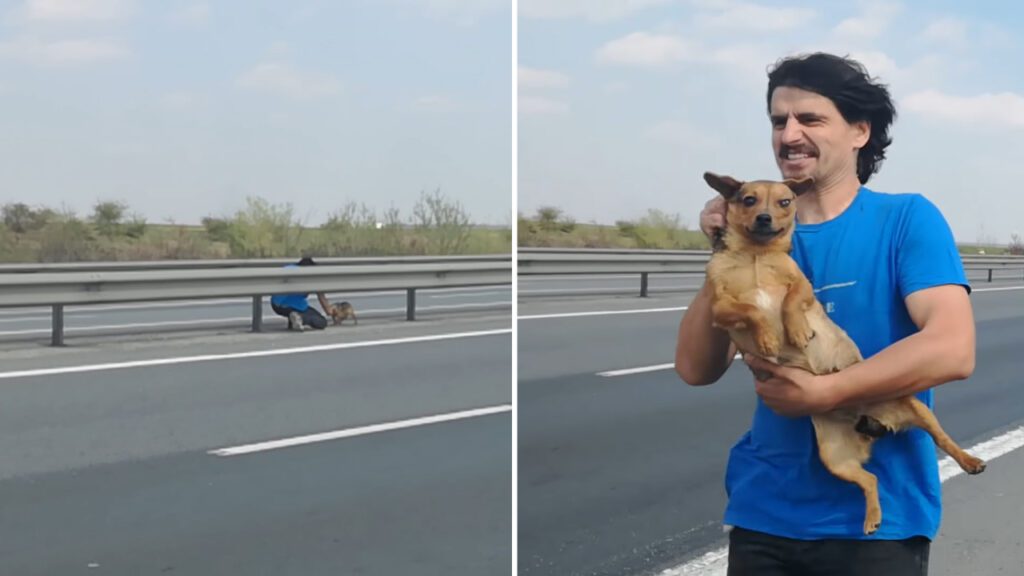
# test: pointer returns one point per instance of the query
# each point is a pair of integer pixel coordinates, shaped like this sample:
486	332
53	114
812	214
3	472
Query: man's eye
750	201
784	203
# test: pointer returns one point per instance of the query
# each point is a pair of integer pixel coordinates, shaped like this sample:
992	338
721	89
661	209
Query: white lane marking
716	562
245	319
609	289
360	431
642	369
252	354
602	313
1003	289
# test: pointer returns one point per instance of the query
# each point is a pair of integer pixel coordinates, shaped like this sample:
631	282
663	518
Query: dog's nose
764	219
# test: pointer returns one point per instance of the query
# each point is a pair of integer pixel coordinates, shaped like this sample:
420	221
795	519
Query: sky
623	104
182	109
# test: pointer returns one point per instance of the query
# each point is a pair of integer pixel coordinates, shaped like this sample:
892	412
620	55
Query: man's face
811	138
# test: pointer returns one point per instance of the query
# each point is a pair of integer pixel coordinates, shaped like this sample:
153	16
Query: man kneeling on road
297	310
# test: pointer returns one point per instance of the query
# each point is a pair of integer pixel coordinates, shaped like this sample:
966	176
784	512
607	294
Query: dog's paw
973	465
800	335
872	520
768	344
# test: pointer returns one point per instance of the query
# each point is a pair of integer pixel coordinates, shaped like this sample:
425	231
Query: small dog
768	306
342	310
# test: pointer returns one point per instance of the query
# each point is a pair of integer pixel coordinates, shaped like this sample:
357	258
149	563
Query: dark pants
310	317
757	554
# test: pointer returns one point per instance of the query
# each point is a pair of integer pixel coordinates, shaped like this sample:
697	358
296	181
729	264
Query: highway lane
34	324
116	468
623	475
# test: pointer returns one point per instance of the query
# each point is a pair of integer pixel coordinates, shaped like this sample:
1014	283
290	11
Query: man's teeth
797	156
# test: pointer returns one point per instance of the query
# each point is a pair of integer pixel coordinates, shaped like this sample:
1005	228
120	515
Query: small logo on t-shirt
830	307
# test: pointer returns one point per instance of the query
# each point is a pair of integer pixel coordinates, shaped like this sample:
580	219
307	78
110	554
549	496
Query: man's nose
791	130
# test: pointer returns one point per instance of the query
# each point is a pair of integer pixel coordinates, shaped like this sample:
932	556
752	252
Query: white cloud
747	16
1004	109
63	52
535	106
178	100
283	80
193	15
434	103
462	11
536	78
96	10
677	132
874	20
946	32
593	10
645	49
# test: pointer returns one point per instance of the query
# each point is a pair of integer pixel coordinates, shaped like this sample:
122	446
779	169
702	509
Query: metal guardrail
585	261
59	289
210	264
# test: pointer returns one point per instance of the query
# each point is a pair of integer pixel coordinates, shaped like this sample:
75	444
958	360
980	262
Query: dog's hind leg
925	419
843	452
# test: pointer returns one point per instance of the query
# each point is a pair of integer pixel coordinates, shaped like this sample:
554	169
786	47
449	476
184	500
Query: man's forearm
703	352
916	363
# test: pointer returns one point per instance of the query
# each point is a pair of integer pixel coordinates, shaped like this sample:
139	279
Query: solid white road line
601	313
252	354
360	431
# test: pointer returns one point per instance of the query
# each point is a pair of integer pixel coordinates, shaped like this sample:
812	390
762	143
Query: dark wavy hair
846	83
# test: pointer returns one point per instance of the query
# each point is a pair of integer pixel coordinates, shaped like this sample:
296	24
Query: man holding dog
886	269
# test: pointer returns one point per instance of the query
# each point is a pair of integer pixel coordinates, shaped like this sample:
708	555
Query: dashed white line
360	431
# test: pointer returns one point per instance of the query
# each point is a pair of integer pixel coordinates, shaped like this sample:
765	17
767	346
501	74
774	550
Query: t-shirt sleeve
926	253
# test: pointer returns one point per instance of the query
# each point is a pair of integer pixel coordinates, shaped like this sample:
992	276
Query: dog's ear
799	186
727	186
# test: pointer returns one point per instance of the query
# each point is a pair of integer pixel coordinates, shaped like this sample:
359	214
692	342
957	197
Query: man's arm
703	352
942	351
324	303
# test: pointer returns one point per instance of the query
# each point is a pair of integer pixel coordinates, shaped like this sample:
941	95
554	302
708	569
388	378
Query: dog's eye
749	201
785	202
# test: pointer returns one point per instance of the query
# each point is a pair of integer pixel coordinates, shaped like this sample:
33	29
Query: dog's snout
764	219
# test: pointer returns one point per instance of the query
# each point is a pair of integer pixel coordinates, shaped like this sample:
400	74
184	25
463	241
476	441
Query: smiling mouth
796	156
764	233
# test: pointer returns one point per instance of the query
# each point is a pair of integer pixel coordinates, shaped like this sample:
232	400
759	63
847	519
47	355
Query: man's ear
727	186
799	186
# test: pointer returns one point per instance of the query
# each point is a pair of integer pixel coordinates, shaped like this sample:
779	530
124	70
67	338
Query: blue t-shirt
296	302
862	264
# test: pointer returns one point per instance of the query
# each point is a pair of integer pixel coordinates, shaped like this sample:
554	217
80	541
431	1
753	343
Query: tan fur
768	306
339	312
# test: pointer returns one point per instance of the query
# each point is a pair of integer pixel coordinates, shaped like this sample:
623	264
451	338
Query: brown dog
342	310
768	306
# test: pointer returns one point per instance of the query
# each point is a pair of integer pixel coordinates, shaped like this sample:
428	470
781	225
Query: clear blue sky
183	108
624	104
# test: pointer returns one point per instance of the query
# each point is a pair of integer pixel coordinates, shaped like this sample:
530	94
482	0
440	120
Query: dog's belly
830	350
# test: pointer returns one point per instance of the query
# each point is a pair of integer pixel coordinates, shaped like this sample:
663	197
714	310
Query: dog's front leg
731	314
795	305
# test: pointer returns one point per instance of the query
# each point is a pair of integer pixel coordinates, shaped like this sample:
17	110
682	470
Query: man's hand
712	217
791	391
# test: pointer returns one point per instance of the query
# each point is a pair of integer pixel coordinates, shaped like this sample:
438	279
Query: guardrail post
989	274
410	304
58	325
257	313
643	284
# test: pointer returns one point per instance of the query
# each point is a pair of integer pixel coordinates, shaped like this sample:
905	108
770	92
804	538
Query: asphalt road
109	459
624	474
